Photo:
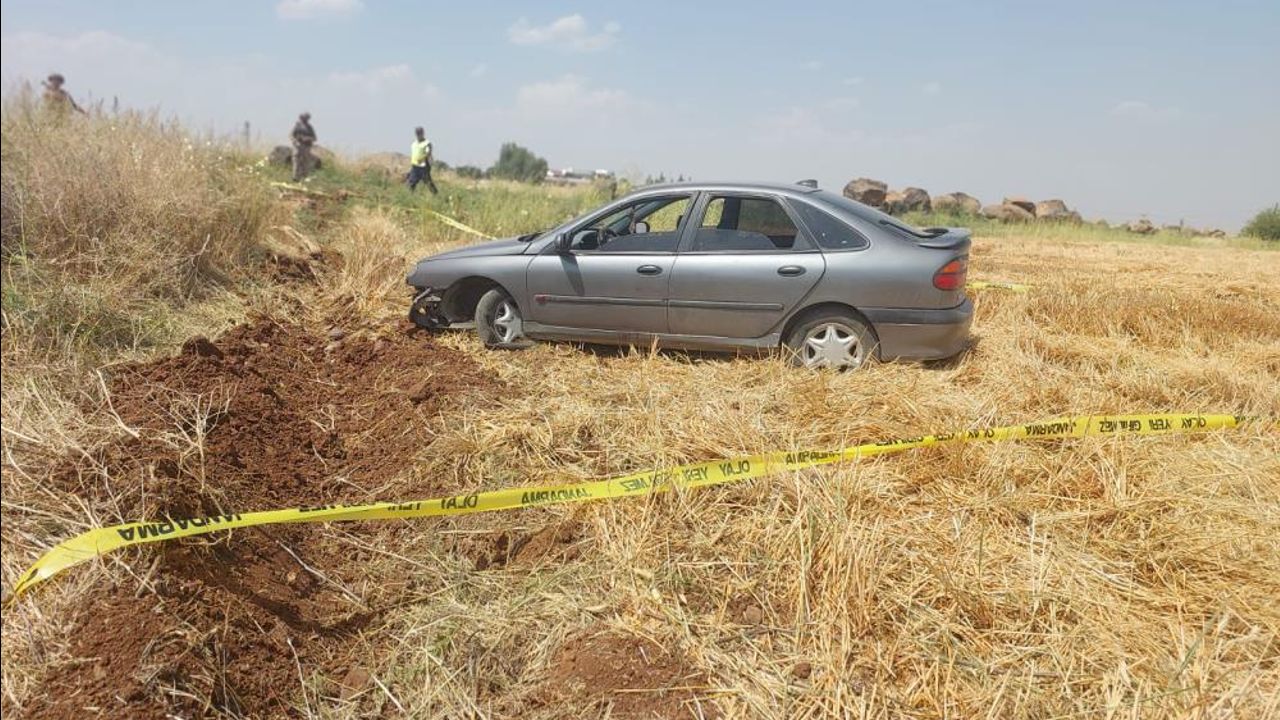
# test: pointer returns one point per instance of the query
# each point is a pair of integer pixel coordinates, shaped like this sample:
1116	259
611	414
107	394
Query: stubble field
1097	577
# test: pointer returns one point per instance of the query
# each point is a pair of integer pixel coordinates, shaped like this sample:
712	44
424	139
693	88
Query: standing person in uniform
303	136
420	162
57	99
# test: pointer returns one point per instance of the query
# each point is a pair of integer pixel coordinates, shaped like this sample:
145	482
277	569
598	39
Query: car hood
504	246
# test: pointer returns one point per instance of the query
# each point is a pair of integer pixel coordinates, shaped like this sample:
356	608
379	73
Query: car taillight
951	276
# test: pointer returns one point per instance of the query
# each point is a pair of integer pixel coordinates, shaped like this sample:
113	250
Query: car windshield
873	215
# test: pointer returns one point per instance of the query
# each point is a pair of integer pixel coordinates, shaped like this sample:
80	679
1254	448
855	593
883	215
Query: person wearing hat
56	98
303	136
420	161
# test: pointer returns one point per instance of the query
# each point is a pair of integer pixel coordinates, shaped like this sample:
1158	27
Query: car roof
772	187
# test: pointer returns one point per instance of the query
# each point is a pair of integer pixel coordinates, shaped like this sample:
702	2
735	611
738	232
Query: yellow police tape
94	543
985	284
455	224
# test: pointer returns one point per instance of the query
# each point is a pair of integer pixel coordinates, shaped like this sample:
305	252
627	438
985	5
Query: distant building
569	176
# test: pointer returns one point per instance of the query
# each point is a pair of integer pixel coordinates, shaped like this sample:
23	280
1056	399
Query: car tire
831	339
499	322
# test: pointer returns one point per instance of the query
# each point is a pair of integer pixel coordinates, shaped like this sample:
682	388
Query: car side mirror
641	227
563	243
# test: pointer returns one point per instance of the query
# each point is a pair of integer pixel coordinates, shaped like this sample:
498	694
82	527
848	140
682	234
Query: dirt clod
802	670
626	677
201	346
295	268
557	542
551	543
353	683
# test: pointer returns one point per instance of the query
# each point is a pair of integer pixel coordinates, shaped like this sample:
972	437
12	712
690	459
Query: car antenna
809	183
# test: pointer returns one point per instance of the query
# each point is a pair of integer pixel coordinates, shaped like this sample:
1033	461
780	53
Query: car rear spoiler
947	238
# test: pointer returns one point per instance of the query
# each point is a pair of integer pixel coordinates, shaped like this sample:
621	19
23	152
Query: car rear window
871	214
745	224
830	232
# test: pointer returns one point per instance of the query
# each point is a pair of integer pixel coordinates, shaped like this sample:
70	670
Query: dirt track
267	416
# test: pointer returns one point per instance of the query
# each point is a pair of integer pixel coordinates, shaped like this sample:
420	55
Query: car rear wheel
831	339
498	321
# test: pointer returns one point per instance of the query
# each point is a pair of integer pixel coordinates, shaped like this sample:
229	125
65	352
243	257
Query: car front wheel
498	321
833	340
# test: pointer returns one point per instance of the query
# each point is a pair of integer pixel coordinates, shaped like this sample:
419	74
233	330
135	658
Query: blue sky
1164	109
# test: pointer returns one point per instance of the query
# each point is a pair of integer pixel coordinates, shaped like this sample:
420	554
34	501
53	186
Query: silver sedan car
715	266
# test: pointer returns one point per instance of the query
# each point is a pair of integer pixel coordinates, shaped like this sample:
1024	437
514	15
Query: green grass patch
498	208
1080	232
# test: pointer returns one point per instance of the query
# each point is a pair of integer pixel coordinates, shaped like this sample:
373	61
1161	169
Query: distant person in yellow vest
420	162
303	136
57	99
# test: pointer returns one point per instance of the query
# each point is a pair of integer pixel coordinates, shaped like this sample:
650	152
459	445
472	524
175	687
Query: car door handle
649	270
790	270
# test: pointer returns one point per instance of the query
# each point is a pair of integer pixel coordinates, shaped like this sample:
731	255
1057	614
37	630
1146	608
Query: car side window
746	224
651	225
830	232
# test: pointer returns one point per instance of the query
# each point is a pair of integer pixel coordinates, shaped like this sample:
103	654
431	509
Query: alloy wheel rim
831	345
506	322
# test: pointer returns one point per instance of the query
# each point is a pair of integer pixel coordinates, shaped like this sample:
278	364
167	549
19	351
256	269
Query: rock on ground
867	191
957	203
1053	210
911	199
280	155
283	155
1023	203
1007	213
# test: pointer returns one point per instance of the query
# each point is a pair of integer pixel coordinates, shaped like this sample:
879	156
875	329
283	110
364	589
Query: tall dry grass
374	262
114	221
122	235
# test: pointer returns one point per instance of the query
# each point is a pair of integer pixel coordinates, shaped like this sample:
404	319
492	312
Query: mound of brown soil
269	415
625	677
275	415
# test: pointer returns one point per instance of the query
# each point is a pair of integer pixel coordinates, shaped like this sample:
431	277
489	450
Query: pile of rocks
1011	209
913	199
1020	209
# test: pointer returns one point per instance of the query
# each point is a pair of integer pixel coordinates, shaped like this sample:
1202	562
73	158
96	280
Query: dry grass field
1097	577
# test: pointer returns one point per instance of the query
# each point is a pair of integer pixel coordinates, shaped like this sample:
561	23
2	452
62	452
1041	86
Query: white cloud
570	32
568	94
813	65
32	48
95	63
385	80
1131	107
1142	109
387	72
932	87
479	70
842	103
852	81
310	9
376	81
